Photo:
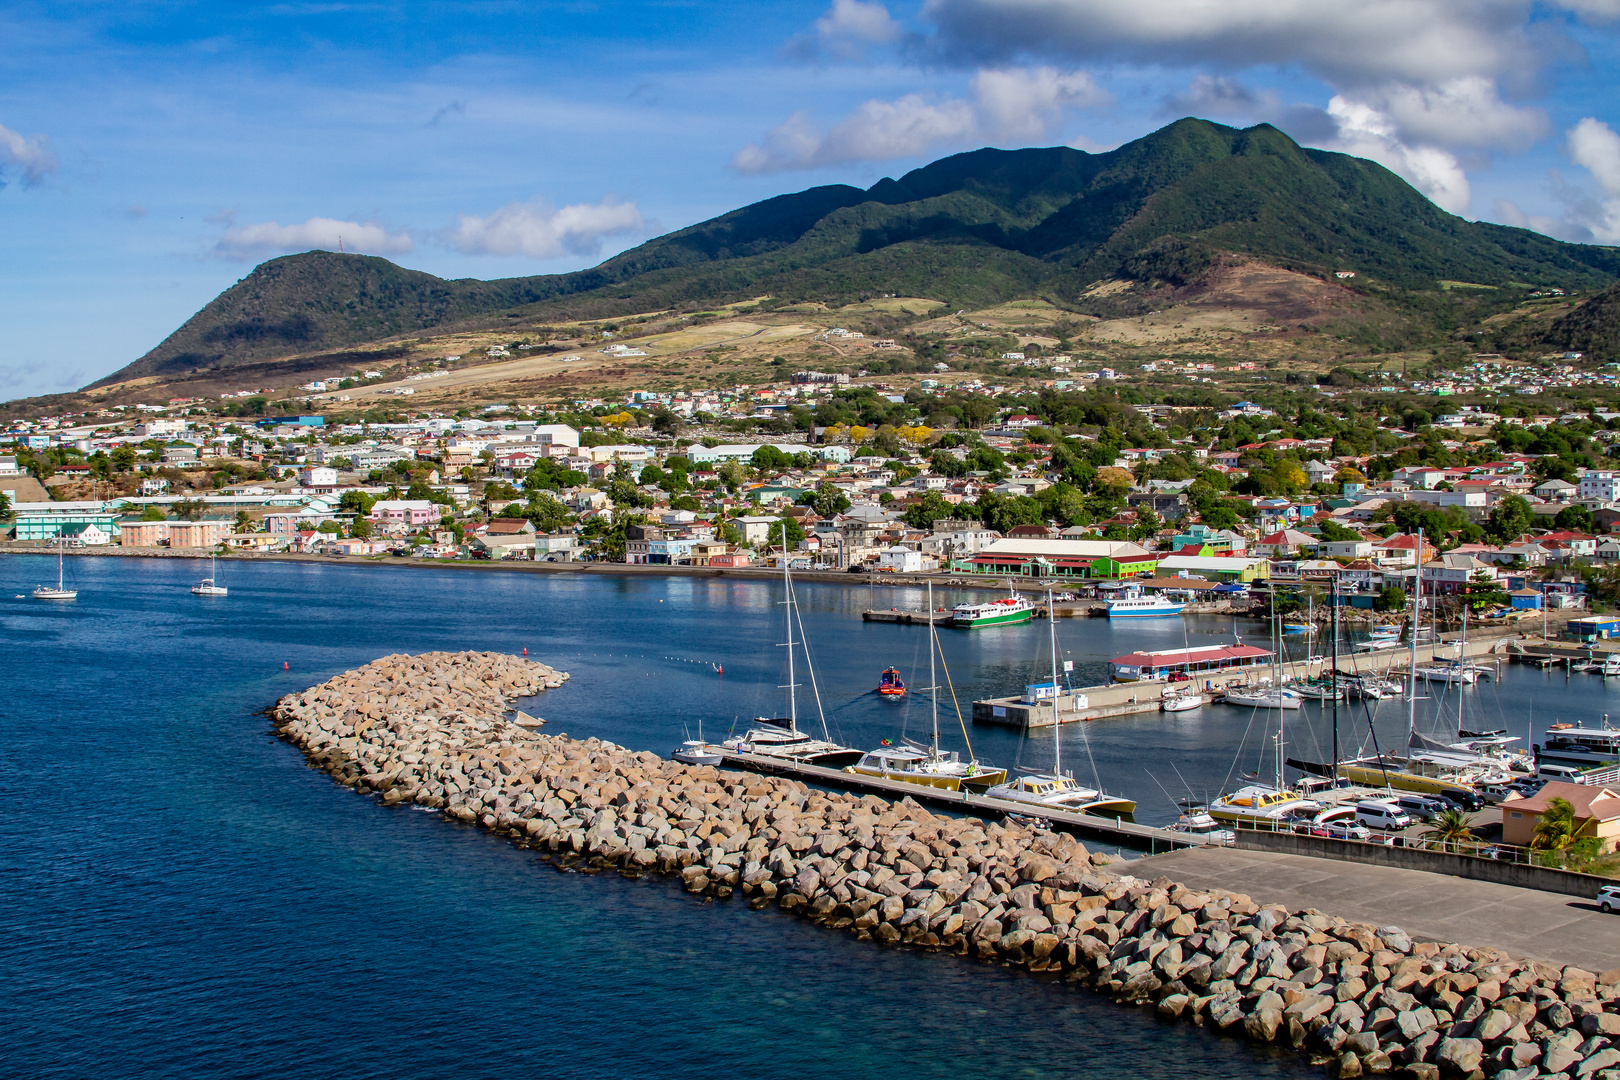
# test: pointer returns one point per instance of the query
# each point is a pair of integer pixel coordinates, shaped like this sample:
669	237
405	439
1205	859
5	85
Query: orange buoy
525	650
284	665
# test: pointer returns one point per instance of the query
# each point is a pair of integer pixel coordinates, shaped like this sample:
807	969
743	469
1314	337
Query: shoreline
432	731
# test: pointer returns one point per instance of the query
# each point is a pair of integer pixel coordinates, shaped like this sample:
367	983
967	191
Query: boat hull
979	781
974	622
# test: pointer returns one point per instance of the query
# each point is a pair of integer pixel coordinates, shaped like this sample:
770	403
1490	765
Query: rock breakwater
434	730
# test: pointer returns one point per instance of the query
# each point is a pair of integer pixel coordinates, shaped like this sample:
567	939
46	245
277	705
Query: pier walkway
1126	834
1433	907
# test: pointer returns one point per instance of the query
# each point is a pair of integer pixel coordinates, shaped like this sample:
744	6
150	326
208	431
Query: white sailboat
1058	790
780	737
61	592
209	586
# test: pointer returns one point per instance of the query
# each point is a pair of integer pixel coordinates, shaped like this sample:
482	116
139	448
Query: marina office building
1194	663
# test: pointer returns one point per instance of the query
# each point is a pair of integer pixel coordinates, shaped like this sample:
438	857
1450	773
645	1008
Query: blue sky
152	152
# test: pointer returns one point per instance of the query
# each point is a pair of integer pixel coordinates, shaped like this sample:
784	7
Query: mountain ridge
979	227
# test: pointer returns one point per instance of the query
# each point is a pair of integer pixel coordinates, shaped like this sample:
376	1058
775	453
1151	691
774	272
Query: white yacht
1264	698
1611	666
1196	821
696	752
1142	607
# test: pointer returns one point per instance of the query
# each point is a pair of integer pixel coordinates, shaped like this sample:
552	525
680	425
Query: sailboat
209	586
1058	790
929	766
780	737
61	592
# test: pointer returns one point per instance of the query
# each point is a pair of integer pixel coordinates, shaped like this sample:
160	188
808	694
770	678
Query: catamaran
929	765
61	592
1058	790
780	737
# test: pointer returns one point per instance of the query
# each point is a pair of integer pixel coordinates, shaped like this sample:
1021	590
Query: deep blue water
183	897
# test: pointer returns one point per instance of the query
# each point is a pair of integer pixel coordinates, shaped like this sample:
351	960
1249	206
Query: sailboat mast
1057	726
1333	687
1417	618
933	682
1282	712
787	599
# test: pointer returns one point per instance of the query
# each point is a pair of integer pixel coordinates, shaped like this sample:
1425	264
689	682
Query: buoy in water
284	665
525	650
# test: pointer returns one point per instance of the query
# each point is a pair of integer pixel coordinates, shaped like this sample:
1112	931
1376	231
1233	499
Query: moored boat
1143	607
1007	611
61	592
1262	806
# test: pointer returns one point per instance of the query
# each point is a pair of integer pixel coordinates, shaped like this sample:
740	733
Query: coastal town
1084	487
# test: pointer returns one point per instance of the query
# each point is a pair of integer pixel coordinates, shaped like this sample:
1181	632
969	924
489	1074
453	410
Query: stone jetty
438	730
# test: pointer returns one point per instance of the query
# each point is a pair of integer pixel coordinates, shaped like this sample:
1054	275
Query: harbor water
185	897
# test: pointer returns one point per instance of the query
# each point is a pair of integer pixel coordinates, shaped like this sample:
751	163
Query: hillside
972	230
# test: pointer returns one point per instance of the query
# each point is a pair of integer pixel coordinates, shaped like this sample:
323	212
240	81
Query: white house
318	476
1600	486
901	560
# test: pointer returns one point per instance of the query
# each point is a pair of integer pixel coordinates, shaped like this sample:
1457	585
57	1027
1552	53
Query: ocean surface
182	896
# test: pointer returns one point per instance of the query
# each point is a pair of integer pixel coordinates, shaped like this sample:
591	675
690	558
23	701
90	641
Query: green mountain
972	229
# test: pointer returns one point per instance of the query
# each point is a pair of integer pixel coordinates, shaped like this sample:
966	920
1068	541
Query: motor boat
696	752
891	685
1182	702
1264	698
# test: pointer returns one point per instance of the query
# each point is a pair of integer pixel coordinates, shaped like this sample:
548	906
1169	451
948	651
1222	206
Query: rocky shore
438	730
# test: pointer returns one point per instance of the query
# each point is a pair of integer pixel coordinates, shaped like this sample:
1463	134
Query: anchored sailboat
61	592
209	586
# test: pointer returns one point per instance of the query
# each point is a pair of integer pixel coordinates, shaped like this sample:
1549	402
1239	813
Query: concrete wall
1434	862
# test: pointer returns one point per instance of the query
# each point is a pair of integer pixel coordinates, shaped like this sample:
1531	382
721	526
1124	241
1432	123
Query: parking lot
1544	926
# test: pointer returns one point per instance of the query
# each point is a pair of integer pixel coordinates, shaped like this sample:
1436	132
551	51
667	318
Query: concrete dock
1124	698
1123	833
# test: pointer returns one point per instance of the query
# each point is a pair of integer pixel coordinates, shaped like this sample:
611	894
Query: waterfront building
1195	663
37	523
1597	813
1222	568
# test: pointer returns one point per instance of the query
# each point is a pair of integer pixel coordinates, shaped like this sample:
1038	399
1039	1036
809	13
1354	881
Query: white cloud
847	31
1015	106
1594	146
1466	111
32	156
256	241
1587	218
1366	132
538	232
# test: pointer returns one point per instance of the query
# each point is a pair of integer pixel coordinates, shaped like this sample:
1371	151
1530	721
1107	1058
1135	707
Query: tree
360	528
794	531
1555	829
1450	829
331	528
1333	532
1482	591
153	513
1147	523
356	502
826	500
925	511
189	509
1577	518
1509	519
1390	598
244	522
5	505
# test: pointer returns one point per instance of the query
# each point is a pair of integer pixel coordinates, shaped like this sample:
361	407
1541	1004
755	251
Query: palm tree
1555	829
1450	828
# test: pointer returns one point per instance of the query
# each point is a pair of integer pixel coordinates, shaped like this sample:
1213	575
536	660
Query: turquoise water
183	897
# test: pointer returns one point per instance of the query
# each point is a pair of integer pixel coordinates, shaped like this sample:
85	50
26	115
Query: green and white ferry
1004	612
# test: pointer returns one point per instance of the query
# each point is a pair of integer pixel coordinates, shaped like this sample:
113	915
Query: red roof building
1206	659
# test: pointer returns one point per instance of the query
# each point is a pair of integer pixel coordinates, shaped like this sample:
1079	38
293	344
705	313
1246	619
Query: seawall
434	730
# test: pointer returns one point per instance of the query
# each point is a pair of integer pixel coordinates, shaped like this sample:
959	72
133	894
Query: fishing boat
1197	822
1058	790
1143	607
209	586
929	765
890	684
780	737
696	752
61	592
1295	627
1007	611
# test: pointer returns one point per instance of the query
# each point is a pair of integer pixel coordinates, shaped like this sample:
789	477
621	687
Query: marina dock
1125	833
1125	698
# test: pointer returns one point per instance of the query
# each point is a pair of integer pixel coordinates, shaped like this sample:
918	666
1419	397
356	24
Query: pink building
412	512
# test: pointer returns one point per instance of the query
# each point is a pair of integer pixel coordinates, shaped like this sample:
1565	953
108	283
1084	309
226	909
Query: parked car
1608	897
1462	798
1381	814
1346	830
1422	807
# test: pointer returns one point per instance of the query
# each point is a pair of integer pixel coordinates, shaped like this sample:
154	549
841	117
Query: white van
1377	814
1569	774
